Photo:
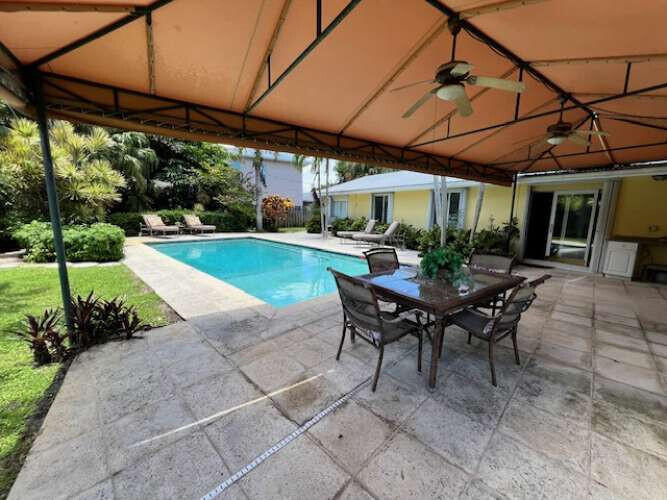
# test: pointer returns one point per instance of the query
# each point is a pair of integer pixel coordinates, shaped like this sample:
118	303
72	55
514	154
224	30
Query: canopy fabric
316	77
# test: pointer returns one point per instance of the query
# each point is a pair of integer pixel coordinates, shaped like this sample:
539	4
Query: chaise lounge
378	239
193	224
350	234
154	224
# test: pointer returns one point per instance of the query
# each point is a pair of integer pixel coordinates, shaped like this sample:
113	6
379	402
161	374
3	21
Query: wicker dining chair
496	264
363	317
492	329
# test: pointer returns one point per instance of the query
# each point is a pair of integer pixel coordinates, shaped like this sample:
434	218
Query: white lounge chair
379	239
350	234
193	224
154	224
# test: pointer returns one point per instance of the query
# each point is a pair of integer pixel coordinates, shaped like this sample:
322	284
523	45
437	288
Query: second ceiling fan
451	78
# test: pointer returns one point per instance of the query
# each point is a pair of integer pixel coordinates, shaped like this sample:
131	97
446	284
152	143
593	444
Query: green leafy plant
440	260
85	319
275	208
46	342
314	224
98	242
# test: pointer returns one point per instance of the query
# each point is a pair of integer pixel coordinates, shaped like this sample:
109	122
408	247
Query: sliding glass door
573	216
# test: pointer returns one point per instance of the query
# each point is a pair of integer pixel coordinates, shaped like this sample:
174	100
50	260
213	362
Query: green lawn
26	290
291	229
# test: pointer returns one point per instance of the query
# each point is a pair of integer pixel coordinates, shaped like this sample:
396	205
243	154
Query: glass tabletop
406	285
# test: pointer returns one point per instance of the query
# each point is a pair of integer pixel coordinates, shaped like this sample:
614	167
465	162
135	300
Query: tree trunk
478	210
258	200
444	211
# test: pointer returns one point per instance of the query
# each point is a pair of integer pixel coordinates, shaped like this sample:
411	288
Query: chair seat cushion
475	323
393	331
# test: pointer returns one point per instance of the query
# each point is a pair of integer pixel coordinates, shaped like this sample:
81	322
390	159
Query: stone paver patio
175	413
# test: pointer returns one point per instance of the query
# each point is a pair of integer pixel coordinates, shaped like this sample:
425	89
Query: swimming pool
277	273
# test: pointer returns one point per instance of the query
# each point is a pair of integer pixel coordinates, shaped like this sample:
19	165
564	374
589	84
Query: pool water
277	273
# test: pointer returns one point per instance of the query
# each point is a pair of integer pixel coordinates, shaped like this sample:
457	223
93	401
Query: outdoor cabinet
620	258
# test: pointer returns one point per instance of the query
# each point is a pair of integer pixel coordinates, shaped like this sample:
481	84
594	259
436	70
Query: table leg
438	335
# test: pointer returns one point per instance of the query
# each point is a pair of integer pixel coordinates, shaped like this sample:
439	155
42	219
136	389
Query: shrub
98	242
314	225
95	321
46	342
275	209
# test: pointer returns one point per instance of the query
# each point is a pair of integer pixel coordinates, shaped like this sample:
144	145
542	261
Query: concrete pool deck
175	413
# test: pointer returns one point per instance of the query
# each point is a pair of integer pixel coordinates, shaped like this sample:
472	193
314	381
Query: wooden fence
296	217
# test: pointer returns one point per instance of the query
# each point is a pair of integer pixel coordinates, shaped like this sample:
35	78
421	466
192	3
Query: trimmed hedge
98	242
226	222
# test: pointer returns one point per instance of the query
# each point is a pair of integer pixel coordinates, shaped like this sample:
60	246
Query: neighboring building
613	221
282	176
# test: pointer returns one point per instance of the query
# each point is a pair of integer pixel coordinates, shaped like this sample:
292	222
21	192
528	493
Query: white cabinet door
620	258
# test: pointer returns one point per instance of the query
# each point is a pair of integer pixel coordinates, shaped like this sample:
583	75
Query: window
456	209
380	209
339	209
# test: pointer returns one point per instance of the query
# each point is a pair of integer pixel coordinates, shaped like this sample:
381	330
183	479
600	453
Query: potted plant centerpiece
445	263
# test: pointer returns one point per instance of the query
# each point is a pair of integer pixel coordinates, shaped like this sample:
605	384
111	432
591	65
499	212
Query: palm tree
132	155
260	180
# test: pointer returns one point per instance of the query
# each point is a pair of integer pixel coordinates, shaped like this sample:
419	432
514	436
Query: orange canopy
316	77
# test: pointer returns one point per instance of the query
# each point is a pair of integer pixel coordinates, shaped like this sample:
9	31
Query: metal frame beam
133	16
570	155
242	129
267	53
66	7
318	39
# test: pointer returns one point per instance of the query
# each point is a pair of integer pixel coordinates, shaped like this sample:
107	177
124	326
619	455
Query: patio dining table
438	297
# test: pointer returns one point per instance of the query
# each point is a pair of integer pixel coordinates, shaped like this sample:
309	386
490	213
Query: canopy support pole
478	210
52	194
509	232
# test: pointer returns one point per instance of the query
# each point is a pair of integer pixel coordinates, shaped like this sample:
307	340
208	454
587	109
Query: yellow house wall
411	207
496	205
358	205
642	202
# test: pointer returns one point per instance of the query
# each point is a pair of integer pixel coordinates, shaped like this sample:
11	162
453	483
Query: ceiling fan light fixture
451	92
555	140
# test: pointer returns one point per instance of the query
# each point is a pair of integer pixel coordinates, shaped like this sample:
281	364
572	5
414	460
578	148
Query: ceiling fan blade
422	100
535	138
578	140
592	132
461	69
463	105
497	83
430	80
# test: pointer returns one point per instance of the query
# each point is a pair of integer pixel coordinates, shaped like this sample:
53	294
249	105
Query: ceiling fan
450	79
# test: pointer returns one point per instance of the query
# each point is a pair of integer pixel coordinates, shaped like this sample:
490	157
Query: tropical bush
95	321
491	240
314	224
275	209
44	338
98	242
87	185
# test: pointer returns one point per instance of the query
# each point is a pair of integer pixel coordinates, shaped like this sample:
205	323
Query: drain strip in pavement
281	444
